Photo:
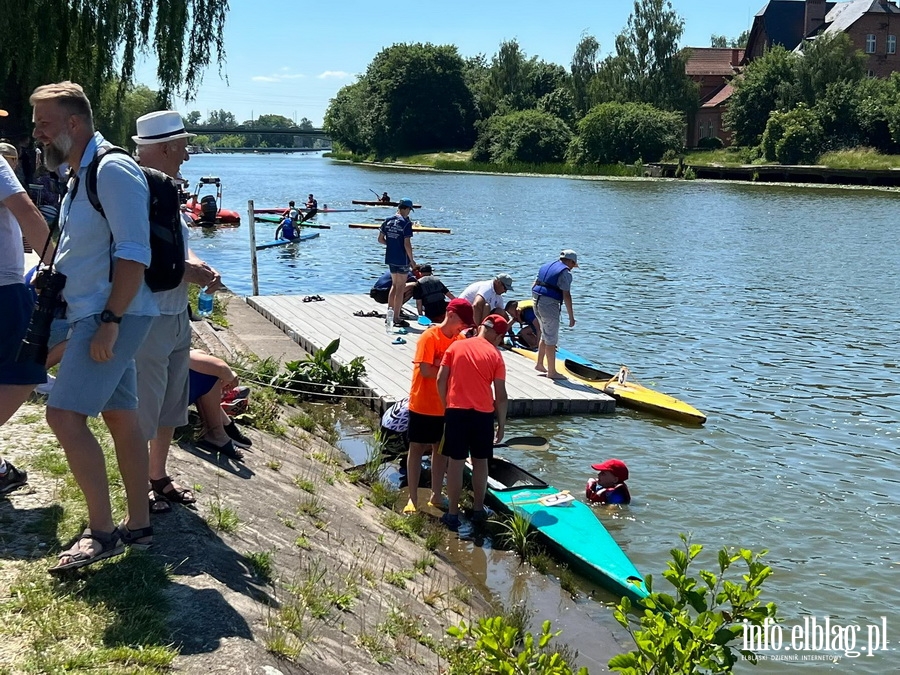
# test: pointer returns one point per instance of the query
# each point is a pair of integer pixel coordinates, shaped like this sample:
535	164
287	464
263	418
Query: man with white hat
162	361
550	291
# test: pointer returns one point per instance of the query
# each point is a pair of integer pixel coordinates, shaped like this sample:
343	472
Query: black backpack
166	240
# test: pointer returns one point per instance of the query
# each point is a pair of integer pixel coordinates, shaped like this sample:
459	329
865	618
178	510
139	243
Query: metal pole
254	273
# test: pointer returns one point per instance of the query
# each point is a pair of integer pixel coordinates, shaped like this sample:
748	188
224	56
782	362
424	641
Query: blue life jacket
548	275
287	229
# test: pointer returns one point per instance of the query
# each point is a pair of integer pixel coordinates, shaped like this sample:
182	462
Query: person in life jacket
431	295
550	291
529	333
285	229
609	485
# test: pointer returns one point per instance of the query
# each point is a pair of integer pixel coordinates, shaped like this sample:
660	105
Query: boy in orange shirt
426	410
469	369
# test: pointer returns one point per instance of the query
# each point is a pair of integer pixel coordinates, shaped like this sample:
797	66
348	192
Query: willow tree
95	42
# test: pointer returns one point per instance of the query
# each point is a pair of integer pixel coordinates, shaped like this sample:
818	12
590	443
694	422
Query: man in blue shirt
380	292
396	235
110	310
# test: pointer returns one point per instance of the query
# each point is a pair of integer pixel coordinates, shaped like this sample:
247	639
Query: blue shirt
385	281
396	231
89	242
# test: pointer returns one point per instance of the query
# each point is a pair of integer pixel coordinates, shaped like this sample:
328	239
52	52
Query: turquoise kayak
283	242
572	528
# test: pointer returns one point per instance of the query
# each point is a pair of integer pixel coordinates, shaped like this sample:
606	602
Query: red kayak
283	211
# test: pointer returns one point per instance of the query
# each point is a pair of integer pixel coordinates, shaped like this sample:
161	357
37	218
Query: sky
289	57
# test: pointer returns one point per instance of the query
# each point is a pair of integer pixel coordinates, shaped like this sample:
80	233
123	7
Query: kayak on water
283	242
571	527
364	202
626	392
282	211
415	228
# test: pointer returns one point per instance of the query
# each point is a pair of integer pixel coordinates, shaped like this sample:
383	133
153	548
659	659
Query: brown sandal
178	495
110	546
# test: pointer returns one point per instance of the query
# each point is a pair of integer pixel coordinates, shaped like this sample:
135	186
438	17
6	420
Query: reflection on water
771	309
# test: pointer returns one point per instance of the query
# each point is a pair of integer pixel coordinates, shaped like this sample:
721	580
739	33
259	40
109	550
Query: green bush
692	632
793	137
626	132
711	143
529	136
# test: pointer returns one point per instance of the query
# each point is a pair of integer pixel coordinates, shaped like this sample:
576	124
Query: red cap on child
615	466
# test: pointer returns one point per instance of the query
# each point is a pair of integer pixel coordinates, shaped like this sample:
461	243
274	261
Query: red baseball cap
462	309
496	323
615	466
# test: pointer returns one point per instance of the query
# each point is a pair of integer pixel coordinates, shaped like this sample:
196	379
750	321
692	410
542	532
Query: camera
50	305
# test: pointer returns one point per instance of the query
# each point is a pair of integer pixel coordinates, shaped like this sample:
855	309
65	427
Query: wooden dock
389	367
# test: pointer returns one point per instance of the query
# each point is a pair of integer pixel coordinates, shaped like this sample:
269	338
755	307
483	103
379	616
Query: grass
261	563
859	158
310	506
218	315
407	526
382	494
305	484
223	518
399	578
517	534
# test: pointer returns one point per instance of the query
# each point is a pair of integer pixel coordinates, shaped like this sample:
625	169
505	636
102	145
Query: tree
793	137
527	136
722	42
95	43
192	119
117	122
347	118
626	132
271	141
767	84
719	41
221	118
584	69
826	60
648	65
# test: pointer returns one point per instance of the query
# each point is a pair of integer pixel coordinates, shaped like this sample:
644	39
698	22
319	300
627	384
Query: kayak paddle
525	443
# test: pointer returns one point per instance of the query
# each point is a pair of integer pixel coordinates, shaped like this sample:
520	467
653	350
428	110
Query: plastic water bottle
389	321
204	303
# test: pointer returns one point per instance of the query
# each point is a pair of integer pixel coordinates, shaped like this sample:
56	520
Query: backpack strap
90	187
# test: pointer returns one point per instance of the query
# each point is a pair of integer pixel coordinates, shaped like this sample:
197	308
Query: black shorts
425	428
379	295
468	432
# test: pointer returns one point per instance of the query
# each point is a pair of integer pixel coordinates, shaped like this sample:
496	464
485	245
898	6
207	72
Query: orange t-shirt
423	394
474	365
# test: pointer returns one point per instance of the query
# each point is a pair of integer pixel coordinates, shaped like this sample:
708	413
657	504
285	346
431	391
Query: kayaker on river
312	208
550	292
609	485
384	198
285	229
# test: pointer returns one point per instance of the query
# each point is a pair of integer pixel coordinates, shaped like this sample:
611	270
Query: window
712	129
870	43
892	44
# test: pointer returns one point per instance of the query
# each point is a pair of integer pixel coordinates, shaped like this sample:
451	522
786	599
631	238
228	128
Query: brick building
873	26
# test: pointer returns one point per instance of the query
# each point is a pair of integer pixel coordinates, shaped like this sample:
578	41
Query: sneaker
482	516
237	436
235	393
46	387
12	479
450	521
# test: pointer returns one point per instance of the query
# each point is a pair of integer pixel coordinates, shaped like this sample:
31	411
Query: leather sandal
110	546
131	537
175	494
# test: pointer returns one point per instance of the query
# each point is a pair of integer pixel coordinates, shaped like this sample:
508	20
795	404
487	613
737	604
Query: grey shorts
87	387
162	374
548	311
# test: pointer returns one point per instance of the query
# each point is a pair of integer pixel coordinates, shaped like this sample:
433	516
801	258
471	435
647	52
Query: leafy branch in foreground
502	648
694	631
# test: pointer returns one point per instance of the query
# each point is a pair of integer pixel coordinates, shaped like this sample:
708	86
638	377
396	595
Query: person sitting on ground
487	296
609	485
380	292
312	208
285	229
385	199
431	294
209	378
529	333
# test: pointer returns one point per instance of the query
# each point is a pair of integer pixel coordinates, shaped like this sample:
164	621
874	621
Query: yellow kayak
628	394
416	228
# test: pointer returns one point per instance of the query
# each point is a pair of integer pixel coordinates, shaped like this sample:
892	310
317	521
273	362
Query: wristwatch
107	316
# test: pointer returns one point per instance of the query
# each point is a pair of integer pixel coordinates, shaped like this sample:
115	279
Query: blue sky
289	57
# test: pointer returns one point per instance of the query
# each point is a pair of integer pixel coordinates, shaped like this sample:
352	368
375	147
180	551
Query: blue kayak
572	528
282	242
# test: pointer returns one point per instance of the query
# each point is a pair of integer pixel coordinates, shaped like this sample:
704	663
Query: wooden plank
389	367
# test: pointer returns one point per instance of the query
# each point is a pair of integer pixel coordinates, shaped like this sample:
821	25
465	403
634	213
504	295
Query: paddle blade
525	443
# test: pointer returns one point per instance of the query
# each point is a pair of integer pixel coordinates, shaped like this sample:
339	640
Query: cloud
278	77
337	74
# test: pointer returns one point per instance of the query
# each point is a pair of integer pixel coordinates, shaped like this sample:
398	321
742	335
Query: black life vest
432	290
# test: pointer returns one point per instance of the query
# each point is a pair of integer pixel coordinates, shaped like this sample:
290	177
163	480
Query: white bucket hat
158	127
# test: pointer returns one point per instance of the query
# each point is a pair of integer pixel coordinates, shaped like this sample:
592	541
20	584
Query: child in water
609	485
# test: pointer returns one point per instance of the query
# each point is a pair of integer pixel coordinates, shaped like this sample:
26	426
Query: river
773	309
